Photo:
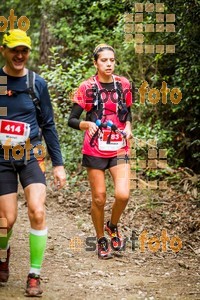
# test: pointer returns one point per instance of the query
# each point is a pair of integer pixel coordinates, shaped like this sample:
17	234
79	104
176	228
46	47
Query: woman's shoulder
122	79
87	83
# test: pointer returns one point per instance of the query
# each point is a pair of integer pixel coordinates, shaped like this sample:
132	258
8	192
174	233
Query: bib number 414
13	131
12	127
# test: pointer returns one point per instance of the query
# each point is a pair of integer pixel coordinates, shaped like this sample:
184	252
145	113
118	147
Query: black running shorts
101	163
30	173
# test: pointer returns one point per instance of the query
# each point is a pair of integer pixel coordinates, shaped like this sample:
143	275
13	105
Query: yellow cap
15	38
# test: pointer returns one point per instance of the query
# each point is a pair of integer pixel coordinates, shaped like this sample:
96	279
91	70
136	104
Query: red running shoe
117	242
4	267
33	288
104	250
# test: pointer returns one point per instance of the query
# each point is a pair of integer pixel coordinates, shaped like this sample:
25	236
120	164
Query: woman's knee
122	197
99	199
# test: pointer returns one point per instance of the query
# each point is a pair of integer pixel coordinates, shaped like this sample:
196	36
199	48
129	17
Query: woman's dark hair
100	48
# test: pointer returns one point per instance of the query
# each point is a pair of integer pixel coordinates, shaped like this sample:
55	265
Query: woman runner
107	99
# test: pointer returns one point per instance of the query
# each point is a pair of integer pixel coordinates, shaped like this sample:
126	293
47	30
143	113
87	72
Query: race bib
13	132
108	141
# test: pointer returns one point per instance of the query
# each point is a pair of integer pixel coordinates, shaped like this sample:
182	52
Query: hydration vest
97	110
31	91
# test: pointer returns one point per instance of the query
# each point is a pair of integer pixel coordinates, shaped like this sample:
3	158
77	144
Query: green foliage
177	125
61	83
80	25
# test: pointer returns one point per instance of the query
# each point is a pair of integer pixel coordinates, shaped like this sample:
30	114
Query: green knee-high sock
4	239
38	240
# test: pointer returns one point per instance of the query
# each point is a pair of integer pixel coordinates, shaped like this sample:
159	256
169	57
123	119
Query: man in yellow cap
16	38
20	123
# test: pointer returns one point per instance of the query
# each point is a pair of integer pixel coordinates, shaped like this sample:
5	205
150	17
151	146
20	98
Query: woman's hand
128	131
90	126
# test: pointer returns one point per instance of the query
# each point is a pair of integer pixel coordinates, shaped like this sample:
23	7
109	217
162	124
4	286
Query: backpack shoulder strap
119	89
96	95
32	93
31	79
31	88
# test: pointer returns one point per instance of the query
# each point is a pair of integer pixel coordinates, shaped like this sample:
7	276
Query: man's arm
59	176
50	135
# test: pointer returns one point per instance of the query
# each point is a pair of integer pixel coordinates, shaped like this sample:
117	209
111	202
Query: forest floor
70	271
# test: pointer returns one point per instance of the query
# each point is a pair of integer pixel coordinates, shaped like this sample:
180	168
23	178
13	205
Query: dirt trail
71	272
